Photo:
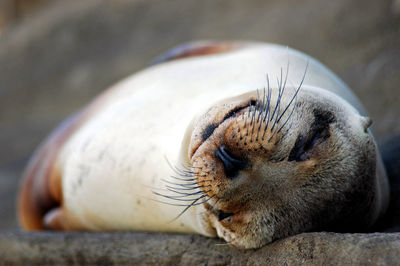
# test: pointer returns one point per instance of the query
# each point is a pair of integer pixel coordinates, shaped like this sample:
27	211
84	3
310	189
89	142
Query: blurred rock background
57	55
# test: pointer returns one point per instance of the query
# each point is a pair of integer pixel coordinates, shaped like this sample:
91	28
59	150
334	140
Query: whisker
297	91
185	194
184	210
268	99
287	74
291	113
262	106
183	179
185	172
278	103
283	90
182	188
189	185
268	111
294	98
175	197
254	116
247	117
261	114
187	167
185	205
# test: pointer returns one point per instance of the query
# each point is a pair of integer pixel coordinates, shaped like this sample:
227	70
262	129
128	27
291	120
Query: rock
169	249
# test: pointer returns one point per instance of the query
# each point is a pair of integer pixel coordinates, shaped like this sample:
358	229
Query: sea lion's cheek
302	174
308	167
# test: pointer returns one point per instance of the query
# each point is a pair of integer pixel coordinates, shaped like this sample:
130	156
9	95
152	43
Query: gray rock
161	249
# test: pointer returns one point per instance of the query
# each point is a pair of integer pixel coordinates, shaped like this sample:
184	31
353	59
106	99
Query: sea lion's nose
232	165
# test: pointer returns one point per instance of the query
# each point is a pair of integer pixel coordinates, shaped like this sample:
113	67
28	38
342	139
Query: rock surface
169	249
55	60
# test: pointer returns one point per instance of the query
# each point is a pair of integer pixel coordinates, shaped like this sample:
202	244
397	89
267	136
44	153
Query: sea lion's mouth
219	214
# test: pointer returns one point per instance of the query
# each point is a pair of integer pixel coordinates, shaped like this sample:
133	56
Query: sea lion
250	142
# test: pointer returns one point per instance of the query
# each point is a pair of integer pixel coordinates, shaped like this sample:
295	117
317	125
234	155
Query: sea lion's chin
234	225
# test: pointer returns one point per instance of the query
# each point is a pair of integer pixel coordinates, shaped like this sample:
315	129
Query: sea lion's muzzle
228	141
232	165
213	119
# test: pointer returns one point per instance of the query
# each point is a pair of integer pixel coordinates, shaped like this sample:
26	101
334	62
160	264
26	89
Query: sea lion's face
272	166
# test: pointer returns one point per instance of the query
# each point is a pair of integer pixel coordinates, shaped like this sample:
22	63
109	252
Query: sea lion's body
113	156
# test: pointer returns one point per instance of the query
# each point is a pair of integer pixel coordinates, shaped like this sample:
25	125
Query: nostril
223	215
232	165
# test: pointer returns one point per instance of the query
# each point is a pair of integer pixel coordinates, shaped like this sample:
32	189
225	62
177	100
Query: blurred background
57	55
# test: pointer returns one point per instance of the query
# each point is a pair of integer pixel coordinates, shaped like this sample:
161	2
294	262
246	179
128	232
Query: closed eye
318	133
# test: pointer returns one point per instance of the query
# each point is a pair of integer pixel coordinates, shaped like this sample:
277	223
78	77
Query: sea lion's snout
216	118
237	134
232	165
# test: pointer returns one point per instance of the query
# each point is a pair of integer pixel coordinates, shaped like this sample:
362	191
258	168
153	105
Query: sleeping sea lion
250	142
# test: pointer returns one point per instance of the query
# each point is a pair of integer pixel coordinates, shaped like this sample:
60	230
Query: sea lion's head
274	162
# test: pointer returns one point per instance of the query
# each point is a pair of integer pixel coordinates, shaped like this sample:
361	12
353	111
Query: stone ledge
17	247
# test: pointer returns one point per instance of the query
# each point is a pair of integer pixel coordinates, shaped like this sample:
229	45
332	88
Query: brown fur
198	49
41	187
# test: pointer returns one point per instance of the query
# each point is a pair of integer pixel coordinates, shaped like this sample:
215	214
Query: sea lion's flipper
41	187
198	49
54	219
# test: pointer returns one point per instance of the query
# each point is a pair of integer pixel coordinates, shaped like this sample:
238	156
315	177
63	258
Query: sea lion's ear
198	48
366	122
